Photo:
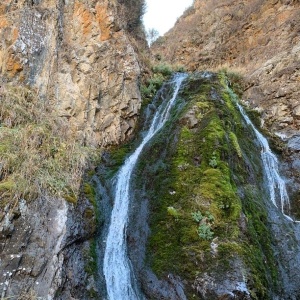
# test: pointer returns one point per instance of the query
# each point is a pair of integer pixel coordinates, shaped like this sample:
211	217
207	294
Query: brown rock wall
80	57
260	39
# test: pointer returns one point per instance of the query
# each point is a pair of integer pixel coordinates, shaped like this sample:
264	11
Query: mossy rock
205	169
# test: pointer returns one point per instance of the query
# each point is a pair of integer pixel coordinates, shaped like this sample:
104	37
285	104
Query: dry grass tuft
39	152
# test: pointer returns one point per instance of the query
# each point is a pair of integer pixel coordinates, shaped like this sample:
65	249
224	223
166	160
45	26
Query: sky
162	14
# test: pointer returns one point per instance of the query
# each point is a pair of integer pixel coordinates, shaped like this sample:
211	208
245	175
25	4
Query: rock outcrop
259	39
81	58
44	248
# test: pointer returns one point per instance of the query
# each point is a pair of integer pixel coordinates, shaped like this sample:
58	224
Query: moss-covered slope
203	178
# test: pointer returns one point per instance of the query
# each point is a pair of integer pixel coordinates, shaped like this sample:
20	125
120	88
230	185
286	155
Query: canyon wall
81	58
258	39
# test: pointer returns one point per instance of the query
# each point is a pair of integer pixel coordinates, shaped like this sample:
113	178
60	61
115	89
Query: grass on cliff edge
39	152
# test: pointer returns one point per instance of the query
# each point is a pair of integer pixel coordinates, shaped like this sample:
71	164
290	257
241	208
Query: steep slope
70	73
81	57
259	39
201	221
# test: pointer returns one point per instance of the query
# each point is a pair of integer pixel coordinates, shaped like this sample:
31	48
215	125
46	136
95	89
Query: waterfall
276	185
120	281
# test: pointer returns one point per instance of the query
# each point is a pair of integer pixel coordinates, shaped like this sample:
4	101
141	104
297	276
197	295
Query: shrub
152	86
163	68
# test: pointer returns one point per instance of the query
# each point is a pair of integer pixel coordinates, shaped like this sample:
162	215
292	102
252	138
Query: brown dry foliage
39	152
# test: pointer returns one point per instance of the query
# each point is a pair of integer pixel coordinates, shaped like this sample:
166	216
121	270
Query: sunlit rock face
259	39
81	59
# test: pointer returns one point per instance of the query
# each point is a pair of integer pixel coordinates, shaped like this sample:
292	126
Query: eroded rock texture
259	39
44	248
80	56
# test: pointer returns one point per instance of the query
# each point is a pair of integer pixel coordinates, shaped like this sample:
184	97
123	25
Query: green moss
200	171
94	215
91	265
258	250
71	198
235	144
173	212
90	192
88	213
118	155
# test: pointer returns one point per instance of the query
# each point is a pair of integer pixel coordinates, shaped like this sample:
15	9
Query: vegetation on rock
200	177
161	72
39	153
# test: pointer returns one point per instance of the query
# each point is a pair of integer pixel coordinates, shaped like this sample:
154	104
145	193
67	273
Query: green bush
163	68
149	90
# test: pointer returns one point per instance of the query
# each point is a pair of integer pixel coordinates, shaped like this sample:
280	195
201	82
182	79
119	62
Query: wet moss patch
205	169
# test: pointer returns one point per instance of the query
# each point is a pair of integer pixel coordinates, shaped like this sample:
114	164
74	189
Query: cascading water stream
120	282
276	184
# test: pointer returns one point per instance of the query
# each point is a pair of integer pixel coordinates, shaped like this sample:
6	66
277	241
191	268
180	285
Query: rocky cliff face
259	39
44	248
81	58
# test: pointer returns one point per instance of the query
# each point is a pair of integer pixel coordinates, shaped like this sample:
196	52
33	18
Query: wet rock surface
286	247
42	246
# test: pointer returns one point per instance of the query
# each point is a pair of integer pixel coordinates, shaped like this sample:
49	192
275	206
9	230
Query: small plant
205	232
178	69
152	85
205	222
183	167
197	216
210	217
213	160
225	204
163	68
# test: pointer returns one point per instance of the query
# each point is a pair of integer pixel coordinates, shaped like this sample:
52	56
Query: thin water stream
276	185
119	278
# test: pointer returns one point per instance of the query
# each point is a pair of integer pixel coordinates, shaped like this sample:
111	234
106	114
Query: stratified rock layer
259	39
80	58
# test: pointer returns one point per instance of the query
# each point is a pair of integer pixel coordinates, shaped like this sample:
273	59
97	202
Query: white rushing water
120	282
276	185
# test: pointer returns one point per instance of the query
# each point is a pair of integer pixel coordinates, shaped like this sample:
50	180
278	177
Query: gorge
137	173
